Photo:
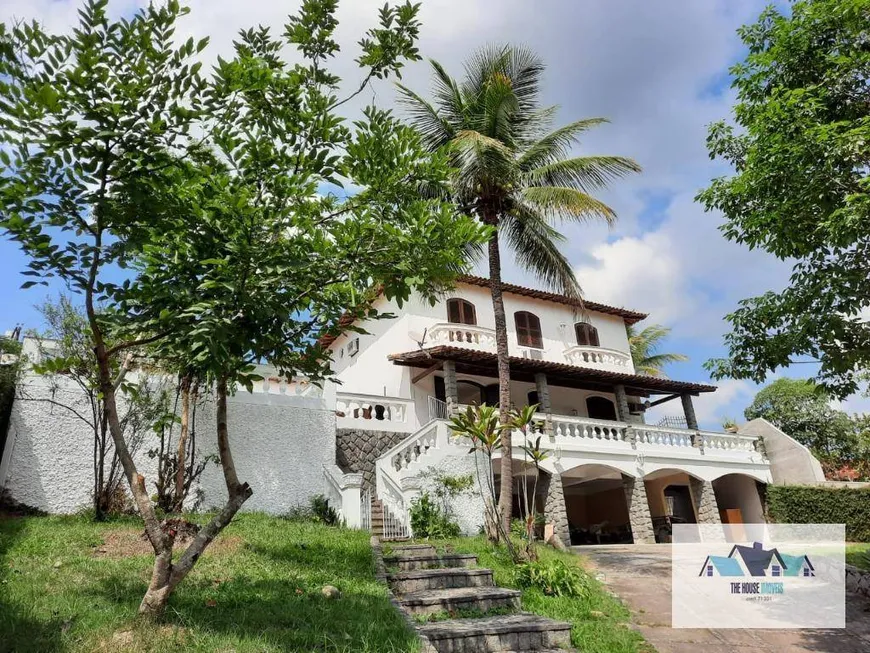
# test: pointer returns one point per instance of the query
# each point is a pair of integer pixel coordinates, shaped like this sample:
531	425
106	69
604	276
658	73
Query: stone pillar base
638	510
554	508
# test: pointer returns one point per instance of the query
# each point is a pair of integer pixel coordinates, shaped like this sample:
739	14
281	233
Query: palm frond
643	346
556	144
447	95
587	173
567	204
435	131
535	245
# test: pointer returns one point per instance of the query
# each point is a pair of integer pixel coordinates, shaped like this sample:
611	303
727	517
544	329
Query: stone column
638	510
704	498
555	512
450	391
622	413
544	401
689	410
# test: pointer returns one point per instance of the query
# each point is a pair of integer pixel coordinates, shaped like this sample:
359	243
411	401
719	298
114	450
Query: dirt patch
124	543
139	639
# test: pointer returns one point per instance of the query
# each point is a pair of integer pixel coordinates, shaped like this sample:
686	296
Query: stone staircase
426	584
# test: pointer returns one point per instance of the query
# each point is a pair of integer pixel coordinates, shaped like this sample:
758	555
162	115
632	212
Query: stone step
513	632
409	563
404	582
460	598
409	550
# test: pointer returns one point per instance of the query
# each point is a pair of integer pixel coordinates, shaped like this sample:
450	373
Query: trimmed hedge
801	504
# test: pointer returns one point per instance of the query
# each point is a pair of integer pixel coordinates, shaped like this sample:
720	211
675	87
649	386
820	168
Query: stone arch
598	499
673	498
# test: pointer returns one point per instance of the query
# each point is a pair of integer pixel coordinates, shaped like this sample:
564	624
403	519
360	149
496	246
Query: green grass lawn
858	554
67	584
600	621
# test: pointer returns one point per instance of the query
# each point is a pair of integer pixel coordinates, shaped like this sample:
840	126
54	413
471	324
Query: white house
379	435
610	476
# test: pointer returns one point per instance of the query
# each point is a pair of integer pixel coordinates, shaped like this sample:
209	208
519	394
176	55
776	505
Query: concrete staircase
426	583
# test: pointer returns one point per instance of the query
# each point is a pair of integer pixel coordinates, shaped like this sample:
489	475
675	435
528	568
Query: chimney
757	546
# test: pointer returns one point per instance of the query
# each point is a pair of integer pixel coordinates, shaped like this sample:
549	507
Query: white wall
280	444
790	461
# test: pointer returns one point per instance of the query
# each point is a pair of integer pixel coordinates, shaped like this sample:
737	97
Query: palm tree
644	346
513	172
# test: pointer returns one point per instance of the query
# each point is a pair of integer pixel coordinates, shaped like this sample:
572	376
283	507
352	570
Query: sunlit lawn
67	584
858	554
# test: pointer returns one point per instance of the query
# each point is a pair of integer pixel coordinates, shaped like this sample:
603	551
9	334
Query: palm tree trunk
505	501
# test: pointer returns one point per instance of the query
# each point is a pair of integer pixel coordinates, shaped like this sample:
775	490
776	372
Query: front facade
610	476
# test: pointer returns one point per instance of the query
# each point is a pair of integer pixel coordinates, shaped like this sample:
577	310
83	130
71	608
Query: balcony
599	358
374	413
462	335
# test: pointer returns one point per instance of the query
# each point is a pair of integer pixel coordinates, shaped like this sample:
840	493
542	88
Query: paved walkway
624	568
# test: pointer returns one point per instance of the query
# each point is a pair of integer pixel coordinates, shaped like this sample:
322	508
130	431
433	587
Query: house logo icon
757	561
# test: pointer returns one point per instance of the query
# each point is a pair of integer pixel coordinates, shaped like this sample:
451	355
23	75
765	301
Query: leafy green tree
514	172
208	192
803	410
644	345
800	150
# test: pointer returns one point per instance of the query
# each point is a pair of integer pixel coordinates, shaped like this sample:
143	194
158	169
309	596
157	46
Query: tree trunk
505	500
166	575
182	442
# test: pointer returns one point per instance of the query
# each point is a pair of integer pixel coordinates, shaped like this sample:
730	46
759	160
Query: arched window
528	330
586	334
600	408
460	311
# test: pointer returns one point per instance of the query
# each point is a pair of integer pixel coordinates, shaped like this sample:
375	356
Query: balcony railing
462	335
598	357
374	413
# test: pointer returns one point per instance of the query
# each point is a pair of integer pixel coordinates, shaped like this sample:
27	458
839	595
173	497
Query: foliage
514	172
208	192
9	374
803	410
524	422
800	150
446	488
258	591
597	618
858	555
429	518
552	577
322	512
644	345
800	504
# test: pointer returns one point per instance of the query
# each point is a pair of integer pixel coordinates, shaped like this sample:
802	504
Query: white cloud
711	408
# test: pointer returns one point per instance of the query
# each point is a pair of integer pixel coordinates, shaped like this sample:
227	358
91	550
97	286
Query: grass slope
858	554
599	621
67	584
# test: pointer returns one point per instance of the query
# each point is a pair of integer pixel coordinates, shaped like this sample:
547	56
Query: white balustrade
461	335
586	428
716	442
374	413
598	357
663	435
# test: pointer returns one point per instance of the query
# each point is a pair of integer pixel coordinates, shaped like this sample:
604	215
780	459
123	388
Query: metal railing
365	510
437	408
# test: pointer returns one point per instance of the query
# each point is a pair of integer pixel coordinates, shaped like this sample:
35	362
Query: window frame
464	306
531	329
589	331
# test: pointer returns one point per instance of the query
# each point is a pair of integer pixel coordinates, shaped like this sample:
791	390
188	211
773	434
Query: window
460	311
806	572
774	570
709	570
586	334
528	330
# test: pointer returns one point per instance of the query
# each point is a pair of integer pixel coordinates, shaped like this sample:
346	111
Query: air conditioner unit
533	354
353	347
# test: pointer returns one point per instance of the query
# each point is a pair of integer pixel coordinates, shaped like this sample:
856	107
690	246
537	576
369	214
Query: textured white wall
468	508
279	443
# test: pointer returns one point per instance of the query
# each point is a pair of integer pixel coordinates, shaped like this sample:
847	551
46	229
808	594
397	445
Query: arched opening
528	330
596	505
586	334
461	311
600	408
469	393
739	499
669	494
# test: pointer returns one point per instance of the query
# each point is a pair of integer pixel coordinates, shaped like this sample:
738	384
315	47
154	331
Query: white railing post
350	500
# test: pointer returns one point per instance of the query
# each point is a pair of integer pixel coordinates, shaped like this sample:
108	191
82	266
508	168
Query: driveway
625	568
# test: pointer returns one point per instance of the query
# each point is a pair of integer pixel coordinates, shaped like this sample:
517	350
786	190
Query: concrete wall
468	507
279	443
790	461
740	492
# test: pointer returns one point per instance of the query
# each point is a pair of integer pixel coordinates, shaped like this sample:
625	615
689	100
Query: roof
628	315
469	361
757	558
724	566
794	564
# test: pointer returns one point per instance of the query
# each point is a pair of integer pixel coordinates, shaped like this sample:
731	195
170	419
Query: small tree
232	251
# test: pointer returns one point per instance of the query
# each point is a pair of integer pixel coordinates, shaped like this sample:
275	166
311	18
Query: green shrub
322	511
428	519
553	577
799	504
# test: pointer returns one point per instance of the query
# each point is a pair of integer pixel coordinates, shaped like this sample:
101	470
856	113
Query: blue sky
657	70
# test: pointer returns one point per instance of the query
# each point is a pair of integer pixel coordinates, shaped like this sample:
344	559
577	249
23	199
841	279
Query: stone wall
858	580
554	506
638	510
357	450
704	498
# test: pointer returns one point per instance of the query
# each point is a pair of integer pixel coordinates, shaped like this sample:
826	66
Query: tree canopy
800	150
